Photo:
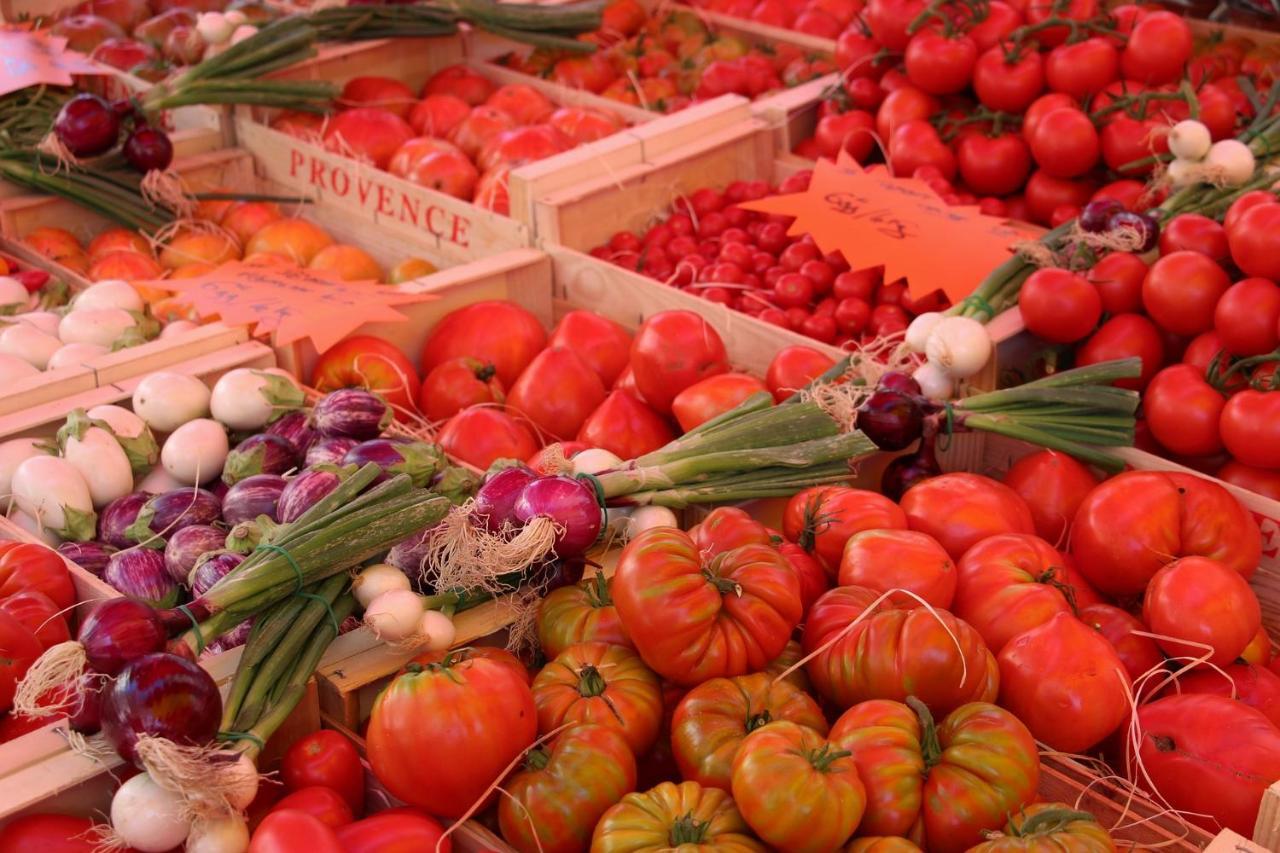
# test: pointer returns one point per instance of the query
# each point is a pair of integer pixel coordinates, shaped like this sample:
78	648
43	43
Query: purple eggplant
418	459
252	497
304	491
212	568
167	513
161	695
90	556
118	516
329	451
294	427
259	454
351	413
140	573
185	548
234	638
496	498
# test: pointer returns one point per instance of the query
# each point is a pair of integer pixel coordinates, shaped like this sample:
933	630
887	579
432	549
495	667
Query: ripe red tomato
1041	107
671	351
404	831
556	392
368	134
366	361
794	367
808	571
1083	68
959	510
324	804
1126	141
1138	653
888	21
993	165
1045	194
1119	278
822	519
1131	525
1247	317
1001	20
479	435
384	93
1125	336
325	758
692	621
1259	649
48	833
1037	11
19	648
625	426
884	560
1195	233
1157	50
461	82
1255	241
1008	86
901	106
859	55
1053	485
1255	686
1264	482
1248	428
938	64
1183	411
455	384
916	144
39	614
291	830
438	115
726	528
1059	305
1066	682
1065	143
853	132
26	567
1181	291
712	397
497	332
603	684
1243	205
598	341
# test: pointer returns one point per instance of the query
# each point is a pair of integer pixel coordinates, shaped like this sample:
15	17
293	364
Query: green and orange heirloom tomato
1049	828
940	786
692	621
894	653
553	804
712	719
581	613
881	844
799	792
685	817
726	528
600	683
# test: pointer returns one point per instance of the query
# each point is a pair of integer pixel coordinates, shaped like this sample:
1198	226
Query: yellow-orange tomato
76	262
196	247
54	243
294	238
348	263
191	271
130	266
1259	649
246	218
409	269
118	240
269	259
213	209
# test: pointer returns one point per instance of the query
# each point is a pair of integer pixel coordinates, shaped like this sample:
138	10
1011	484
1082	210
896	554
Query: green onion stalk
999	290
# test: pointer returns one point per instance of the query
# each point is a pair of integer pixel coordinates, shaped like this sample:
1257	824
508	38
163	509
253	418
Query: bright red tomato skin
19	648
1264	482
598	341
671	351
1053	484
1183	411
1008	87
48	833
38	613
884	560
598	683
1157	50
713	396
557	392
1255	241
822	519
1181	291
960	510
1202	601
403	832
365	361
1065	143
324	804
479	435
1247	317
1083	68
1195	233
1248	428
1045	194
1125	336
938	64
625	426
808	571
994	165
1255	686
794	367
456	384
325	758
292	830
1059	305
1139	654
1118	278
496	332
25	566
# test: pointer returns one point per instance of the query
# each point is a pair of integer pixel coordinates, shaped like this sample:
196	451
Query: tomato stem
537	759
598	591
722	584
590	682
688	830
755	721
1047	822
930	746
826	755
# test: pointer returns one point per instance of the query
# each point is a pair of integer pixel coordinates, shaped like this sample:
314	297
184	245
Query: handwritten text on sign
873	218
34	58
290	303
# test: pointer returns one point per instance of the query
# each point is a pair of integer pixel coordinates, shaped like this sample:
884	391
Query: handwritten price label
873	218
289	303
35	58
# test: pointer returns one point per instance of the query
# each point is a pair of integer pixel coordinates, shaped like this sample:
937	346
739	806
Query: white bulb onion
375	580
959	345
437	631
934	382
1189	140
395	615
648	517
920	329
147	817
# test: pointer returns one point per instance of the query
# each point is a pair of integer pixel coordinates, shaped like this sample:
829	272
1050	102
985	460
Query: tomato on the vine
1118	278
1058	305
1065	143
1157	50
1247	317
1250	428
940	64
1083	68
1006	86
993	165
1255	241
1126	336
1183	411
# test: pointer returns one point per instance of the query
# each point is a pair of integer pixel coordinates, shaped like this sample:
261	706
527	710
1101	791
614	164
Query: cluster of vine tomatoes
710	246
1204	317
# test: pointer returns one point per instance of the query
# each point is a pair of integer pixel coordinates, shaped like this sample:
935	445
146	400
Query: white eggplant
131	432
75	355
246	399
54	492
13	296
101	326
30	344
12	454
45	321
158	481
196	451
168	400
21	520
112	293
176	328
98	457
14	369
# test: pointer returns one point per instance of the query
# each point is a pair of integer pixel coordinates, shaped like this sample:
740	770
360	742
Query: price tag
32	58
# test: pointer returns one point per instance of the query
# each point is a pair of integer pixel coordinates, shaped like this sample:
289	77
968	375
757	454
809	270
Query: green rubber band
595	483
235	736
948	428
332	617
196	626
267	546
981	304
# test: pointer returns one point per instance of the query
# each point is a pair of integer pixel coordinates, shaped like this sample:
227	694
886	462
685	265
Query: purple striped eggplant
304	491
252	497
259	454
140	573
185	548
351	413
295	428
329	451
421	461
167	513
118	516
91	556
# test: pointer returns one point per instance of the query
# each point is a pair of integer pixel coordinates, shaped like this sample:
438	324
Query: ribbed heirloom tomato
959	510
941	785
686	816
726	528
581	613
692	619
823	518
711	720
1049	826
600	683
33	567
884	560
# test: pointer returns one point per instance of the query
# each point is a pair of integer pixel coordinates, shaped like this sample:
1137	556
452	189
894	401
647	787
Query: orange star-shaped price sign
290	303
873	218
30	58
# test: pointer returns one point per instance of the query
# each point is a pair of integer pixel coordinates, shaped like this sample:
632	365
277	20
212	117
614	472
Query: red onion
328	451
164	696
252	497
117	631
213	568
90	556
294	428
351	413
87	126
167	513
418	459
895	380
118	516
303	492
140	573
905	471
187	546
496	498
259	454
87	716
891	419
408	554
571	504
148	148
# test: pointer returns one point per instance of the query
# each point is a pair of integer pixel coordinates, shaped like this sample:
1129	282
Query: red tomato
394	833
603	684
496	332
292	830
671	351
1125	336
1243	205
712	397
580	613
996	165
901	106
938	64
1128	192
1192	754
600	342
1065	143
324	804
1140	655
456	384
888	20
48	833
1066	682
885	560
329	759
1131	525
1127	140
796	366
461	82
1059	305
365	361
34	567
1264	482
556	392
1001	20
822	519
916	144
625	426
1183	411
1181	291
808	571
1083	68
1038	11
1255	686
726	528
384	93
1041	107
1248	428
1008	86
1259	649
39	614
959	510
1247	316
1255	241
1195	233
1119	278
438	115
852	132
1045	194
1157	50
501	657
859	55
1053	484
479	435
369	134
19	648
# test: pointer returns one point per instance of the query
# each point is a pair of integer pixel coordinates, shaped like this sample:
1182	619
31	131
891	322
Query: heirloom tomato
478	435
600	683
960	510
598	341
684	817
25	566
394	831
726	528
37	612
477	715
1134	523
796	790
499	656
786	663
1197	602
554	802
941	786
813	578
884	560
1049	826
894	653
712	719
1053	484
19	648
823	518
1138	653
882	843
1255	686
712	397
625	426
671	351
496	332
365	361
456	384
692	620
557	392
581	613
325	758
